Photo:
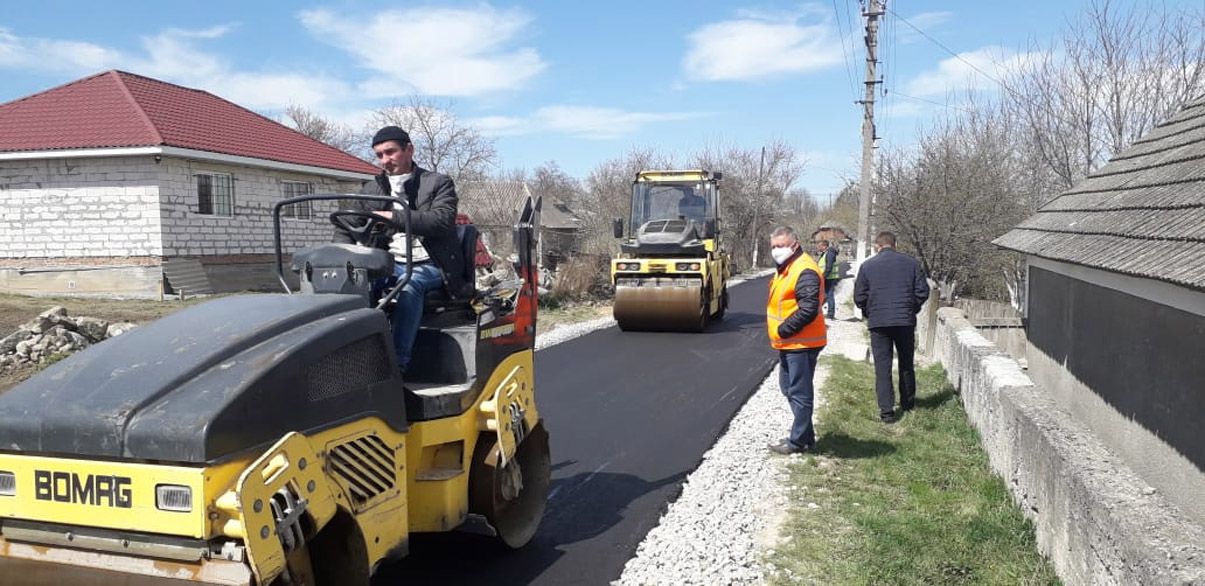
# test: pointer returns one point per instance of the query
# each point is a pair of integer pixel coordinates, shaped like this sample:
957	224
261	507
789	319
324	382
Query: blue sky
572	82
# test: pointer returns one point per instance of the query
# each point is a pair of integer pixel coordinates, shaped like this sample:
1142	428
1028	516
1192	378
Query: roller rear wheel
512	498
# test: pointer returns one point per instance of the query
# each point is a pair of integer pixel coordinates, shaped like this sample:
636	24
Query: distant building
1115	305
120	184
831	232
494	206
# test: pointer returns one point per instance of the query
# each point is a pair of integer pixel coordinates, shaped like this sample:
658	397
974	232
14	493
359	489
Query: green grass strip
909	503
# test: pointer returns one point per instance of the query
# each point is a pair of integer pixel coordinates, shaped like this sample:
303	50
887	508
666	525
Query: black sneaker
889	417
786	448
907	406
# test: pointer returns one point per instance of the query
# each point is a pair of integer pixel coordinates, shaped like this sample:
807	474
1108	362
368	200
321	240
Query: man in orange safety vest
797	330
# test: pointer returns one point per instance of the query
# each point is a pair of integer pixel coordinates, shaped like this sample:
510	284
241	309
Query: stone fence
1096	520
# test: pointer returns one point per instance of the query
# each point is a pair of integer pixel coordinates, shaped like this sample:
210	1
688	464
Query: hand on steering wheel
361	233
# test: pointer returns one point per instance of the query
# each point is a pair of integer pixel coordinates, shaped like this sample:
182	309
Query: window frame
290	212
213	209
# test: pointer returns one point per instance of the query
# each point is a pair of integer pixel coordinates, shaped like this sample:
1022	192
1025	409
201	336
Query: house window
215	194
300	211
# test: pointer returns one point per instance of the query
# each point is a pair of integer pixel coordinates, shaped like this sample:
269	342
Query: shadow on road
581	507
733	322
839	445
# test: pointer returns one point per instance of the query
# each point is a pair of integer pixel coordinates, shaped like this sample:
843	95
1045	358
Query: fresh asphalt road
630	414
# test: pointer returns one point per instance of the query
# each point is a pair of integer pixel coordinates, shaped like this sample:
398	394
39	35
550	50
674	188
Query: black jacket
890	289
432	197
807	298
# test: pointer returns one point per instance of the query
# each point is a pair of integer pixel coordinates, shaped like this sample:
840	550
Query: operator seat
443	308
442	378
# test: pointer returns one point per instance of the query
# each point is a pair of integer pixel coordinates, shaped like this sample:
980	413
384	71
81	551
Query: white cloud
436	51
966	71
926	21
53	55
760	45
174	55
904	108
589	122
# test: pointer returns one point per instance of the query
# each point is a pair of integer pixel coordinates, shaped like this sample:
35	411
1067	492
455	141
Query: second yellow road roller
672	269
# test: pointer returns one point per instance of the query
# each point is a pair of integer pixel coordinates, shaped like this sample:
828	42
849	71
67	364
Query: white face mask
780	254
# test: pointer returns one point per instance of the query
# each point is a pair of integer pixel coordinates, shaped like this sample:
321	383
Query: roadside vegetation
909	503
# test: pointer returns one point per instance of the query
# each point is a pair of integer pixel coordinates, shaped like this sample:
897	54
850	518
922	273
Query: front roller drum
669	305
512	498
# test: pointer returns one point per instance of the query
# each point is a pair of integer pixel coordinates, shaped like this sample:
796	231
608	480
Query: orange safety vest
782	305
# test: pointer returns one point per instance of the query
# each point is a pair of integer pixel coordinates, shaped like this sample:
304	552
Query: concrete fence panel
1096	520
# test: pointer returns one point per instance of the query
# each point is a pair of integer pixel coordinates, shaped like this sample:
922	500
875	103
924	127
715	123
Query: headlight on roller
172	497
8	483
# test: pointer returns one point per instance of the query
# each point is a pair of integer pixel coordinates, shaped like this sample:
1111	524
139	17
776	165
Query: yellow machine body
389	483
672	269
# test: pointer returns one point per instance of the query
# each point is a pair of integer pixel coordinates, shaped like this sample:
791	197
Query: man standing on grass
797	330
890	290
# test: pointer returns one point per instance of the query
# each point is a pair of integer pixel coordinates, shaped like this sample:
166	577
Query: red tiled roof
119	109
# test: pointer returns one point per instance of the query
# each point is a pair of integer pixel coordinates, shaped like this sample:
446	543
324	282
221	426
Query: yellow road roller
672	270
271	439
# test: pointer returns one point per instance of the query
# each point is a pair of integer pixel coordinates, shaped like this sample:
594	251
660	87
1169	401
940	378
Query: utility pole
757	205
872	14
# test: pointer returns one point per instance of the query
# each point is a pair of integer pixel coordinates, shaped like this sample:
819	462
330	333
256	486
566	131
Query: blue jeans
795	371
830	300
408	313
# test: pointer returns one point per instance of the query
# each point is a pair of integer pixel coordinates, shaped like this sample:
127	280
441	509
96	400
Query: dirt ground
18	309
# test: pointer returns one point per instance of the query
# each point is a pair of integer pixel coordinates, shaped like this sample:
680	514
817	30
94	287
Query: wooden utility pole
872	14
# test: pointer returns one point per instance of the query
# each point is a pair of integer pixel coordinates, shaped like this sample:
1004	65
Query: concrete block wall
249	229
1096	520
78	209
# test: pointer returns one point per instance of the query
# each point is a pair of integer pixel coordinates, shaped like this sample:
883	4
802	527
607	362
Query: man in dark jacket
890	290
435	259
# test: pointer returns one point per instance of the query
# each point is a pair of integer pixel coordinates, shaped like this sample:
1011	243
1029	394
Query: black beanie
391	133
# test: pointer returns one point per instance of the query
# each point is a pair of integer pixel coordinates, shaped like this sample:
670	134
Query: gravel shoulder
732	506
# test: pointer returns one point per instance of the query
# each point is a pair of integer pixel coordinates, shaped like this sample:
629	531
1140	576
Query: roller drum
657	304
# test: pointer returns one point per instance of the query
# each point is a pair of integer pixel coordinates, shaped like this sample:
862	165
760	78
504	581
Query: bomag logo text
96	490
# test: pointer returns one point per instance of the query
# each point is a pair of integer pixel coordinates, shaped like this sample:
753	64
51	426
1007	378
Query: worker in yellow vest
797	330
831	271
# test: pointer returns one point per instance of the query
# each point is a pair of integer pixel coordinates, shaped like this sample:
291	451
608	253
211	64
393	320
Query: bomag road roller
270	439
672	270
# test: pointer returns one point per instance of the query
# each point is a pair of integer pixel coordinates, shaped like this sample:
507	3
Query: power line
853	87
948	50
935	103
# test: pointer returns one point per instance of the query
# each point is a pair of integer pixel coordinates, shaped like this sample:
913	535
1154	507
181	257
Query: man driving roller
435	259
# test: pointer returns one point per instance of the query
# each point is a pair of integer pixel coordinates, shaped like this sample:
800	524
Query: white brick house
106	181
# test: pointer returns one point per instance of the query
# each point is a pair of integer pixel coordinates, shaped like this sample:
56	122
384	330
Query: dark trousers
830	300
795	371
903	339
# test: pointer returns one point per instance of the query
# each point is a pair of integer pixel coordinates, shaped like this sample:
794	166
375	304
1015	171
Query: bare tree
552	182
607	195
752	192
1113	75
442	142
950	197
1116	73
322	129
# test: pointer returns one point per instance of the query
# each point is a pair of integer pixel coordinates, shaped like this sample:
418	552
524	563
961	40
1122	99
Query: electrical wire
845	53
955	55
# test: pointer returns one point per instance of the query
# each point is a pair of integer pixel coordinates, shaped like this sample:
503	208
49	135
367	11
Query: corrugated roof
1142	214
500	201
119	109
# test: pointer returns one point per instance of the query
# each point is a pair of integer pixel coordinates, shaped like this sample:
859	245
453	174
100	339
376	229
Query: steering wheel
361	233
